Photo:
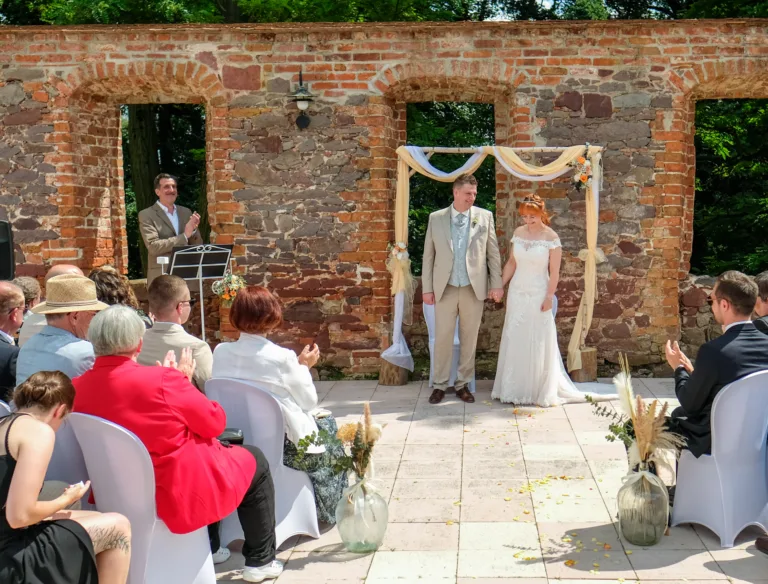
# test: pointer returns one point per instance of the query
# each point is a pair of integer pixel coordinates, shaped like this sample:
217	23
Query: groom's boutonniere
474	223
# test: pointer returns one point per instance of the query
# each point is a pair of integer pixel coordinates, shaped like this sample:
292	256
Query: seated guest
741	350
32	292
43	542
34	323
114	288
11	317
761	304
69	306
171	303
198	481
255	313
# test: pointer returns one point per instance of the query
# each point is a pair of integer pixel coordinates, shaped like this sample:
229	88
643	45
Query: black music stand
200	262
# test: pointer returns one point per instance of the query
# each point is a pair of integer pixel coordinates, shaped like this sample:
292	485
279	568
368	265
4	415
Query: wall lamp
302	97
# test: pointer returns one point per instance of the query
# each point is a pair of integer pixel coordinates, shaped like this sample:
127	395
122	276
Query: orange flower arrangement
583	174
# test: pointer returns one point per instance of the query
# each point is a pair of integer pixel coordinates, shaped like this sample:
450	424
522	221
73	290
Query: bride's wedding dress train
530	369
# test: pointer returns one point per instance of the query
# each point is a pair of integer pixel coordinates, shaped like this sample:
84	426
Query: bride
530	369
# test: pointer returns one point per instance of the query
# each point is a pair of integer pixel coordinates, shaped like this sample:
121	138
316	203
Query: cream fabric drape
399	263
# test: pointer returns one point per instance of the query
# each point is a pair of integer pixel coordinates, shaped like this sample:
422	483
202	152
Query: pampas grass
623	384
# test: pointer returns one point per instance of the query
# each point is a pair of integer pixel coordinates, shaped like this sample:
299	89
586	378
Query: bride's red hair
534	205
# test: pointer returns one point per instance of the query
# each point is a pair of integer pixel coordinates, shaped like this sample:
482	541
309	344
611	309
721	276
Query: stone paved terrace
479	494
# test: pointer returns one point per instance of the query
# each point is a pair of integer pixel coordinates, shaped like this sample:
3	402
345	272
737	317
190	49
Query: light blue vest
460	237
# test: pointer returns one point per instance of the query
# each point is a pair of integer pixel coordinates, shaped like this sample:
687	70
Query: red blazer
198	481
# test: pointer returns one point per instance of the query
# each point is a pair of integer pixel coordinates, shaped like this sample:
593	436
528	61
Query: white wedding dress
530	369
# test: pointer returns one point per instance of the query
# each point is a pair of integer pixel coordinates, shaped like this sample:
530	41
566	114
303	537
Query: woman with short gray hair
117	330
198	481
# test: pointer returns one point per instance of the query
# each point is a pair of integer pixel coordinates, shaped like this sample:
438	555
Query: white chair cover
257	413
727	490
429	318
67	462
5	409
123	481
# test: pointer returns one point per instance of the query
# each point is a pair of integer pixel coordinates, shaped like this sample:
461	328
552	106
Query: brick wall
310	212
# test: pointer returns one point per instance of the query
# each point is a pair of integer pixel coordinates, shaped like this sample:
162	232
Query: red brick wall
310	212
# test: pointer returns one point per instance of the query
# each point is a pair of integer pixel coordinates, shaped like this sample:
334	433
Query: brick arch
88	150
447	80
729	79
162	81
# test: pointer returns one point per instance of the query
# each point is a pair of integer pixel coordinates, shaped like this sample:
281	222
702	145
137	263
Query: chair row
122	478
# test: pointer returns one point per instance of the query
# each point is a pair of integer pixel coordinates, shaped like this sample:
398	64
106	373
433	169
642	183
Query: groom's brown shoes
437	396
464	395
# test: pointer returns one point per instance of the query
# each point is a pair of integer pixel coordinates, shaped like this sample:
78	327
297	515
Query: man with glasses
171	304
11	316
738	352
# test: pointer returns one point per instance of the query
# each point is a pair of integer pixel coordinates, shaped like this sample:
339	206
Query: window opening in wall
159	138
731	202
450	124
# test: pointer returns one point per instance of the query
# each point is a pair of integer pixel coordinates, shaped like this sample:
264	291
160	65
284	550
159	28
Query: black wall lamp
302	97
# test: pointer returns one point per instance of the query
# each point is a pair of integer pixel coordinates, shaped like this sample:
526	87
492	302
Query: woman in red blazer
198	480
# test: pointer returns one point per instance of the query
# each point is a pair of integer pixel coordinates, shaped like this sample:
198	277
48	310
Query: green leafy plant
620	427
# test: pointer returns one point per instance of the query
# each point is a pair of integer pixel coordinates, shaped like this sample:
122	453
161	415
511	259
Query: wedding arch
584	160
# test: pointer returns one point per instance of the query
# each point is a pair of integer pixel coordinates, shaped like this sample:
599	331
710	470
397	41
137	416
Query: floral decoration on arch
398	250
582	175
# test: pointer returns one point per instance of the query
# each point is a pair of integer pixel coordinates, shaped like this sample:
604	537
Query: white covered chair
123	481
5	409
67	463
257	413
429	318
727	490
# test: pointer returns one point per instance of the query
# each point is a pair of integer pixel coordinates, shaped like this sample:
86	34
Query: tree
584	10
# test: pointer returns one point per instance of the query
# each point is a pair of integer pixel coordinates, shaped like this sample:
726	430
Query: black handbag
231	436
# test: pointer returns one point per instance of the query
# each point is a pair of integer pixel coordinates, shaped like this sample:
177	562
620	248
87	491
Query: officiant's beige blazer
160	237
483	258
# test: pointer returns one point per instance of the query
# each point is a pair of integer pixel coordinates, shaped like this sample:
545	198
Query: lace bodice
532	258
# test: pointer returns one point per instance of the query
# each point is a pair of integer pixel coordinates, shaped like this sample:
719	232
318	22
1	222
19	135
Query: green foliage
584	10
731	186
620	427
446	124
128	11
332	443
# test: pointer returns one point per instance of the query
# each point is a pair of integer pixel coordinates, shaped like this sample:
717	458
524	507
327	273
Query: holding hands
496	294
309	356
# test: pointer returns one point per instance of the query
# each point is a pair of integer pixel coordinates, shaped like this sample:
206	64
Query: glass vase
643	503
361	517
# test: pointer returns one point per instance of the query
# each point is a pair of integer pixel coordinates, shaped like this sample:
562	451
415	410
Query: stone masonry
310	213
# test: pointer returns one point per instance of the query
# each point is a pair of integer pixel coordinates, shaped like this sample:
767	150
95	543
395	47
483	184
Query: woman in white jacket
256	313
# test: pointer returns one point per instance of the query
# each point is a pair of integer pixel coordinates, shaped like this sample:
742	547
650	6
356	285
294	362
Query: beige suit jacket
167	336
160	237
483	258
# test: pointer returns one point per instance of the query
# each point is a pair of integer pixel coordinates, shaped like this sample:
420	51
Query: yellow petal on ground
507	498
596	565
628	552
449	522
570	563
607	546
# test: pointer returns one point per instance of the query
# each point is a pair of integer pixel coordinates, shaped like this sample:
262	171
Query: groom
461	262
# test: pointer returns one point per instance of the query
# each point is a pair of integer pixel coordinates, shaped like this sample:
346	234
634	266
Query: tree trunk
142	149
202	206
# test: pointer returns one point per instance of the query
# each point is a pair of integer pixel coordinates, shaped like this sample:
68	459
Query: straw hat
69	293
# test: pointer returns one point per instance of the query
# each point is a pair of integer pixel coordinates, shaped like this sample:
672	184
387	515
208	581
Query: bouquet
583	172
226	288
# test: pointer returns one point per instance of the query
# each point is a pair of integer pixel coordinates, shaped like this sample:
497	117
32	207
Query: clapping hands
186	364
309	356
192	225
676	358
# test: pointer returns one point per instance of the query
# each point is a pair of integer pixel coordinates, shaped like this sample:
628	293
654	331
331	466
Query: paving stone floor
485	493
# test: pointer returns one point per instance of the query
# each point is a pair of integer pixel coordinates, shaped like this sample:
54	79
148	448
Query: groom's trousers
461	302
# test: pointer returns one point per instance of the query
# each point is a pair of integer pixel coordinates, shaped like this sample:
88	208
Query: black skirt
50	552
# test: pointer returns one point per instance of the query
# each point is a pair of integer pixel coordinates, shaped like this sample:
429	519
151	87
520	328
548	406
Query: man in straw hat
69	306
34	323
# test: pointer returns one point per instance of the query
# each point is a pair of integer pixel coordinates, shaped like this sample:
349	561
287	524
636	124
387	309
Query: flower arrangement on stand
582	172
643	499
227	288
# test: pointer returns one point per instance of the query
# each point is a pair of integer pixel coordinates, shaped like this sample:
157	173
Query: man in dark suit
761	304
11	316
741	350
166	225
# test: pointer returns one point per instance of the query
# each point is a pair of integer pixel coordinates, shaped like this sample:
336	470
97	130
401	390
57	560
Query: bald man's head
60	269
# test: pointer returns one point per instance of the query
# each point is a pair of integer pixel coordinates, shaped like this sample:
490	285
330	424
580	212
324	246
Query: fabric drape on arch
399	264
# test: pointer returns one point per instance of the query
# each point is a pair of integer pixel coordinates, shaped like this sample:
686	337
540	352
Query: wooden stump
588	371
392	374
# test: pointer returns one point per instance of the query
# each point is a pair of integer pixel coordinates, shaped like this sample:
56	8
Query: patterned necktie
460	220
